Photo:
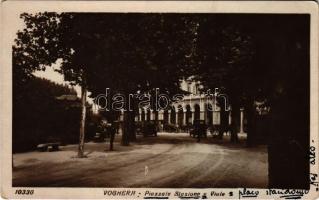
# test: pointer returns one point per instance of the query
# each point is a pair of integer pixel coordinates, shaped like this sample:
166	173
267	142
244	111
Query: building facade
193	106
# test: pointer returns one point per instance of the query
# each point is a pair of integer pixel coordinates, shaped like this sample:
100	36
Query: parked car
170	128
199	127
99	137
139	128
101	134
150	128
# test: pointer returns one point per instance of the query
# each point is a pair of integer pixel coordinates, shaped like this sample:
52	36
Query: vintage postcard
159	100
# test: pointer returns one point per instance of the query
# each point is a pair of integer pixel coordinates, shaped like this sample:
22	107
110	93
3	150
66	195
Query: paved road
170	160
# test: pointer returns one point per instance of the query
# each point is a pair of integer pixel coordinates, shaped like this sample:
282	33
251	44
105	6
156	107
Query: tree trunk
131	130
250	123
224	118
235	118
82	123
126	127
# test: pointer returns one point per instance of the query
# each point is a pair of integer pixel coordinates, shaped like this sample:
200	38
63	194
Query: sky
52	75
49	73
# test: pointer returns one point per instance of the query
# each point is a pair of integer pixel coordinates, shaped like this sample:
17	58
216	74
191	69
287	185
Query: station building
193	106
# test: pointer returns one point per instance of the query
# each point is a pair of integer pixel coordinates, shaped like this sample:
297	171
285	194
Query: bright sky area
49	73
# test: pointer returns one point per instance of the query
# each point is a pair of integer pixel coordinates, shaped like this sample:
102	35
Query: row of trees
123	52
132	52
139	52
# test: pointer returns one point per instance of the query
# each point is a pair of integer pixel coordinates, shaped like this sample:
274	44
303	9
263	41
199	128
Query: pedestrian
112	132
201	130
199	135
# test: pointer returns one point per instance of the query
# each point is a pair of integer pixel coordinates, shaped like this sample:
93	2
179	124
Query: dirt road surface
169	160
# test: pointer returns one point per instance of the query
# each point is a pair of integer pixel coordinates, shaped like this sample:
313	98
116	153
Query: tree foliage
39	117
124	52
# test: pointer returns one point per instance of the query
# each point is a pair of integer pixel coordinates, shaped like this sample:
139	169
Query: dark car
101	134
199	128
150	129
139	128
170	128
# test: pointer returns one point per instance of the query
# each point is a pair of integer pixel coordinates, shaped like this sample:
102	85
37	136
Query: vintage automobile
199	128
149	128
170	128
139	128
99	137
101	133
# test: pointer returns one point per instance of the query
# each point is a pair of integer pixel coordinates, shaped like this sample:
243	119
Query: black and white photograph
160	100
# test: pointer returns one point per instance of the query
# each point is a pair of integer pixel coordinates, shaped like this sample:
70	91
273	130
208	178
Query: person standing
111	130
